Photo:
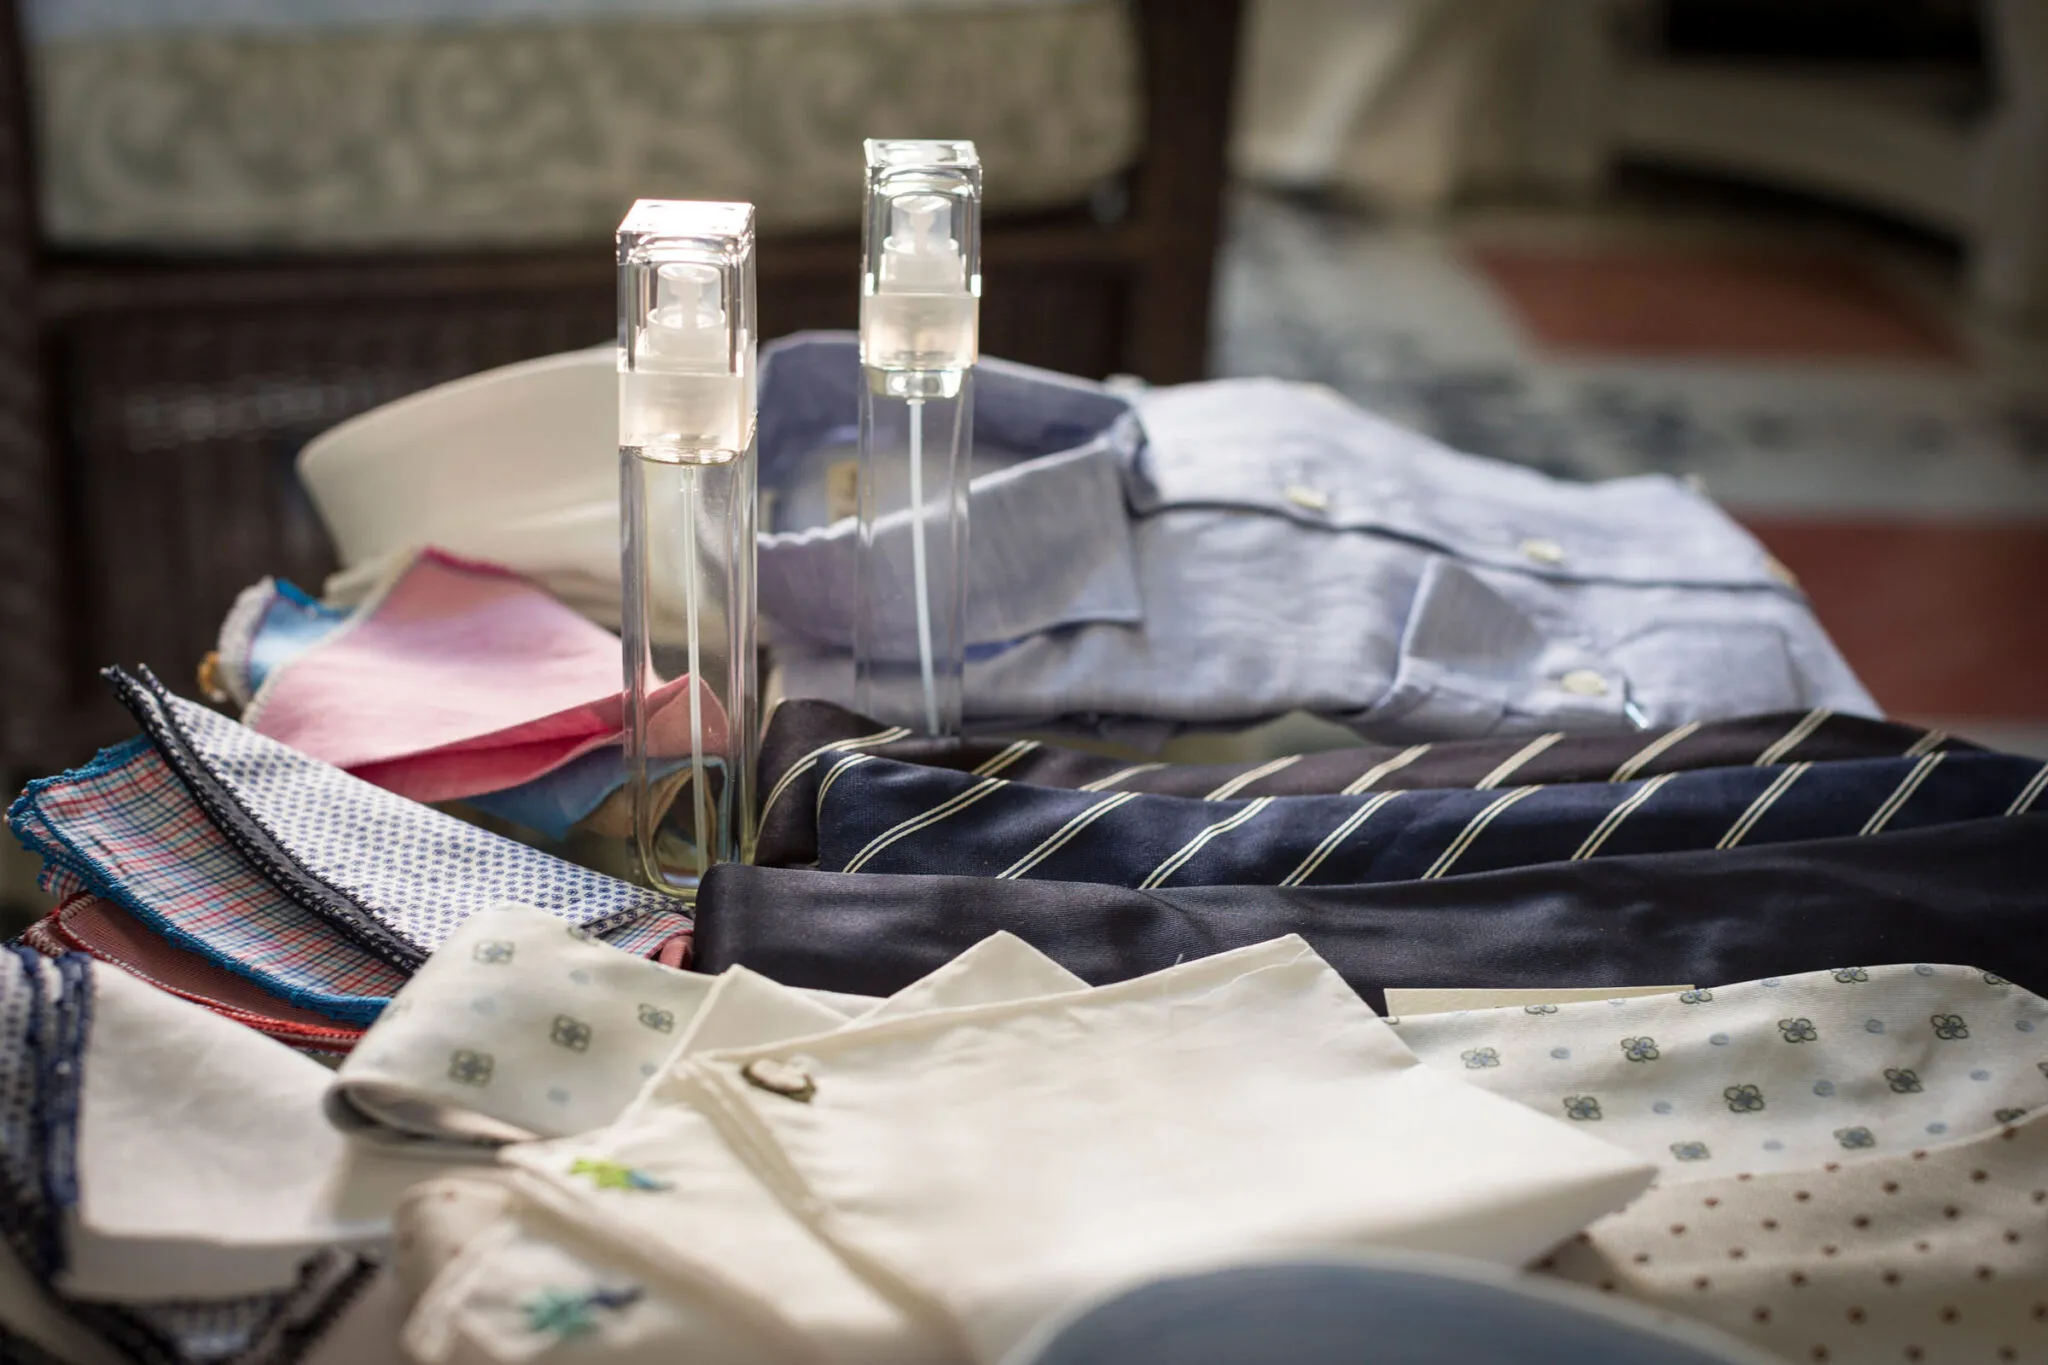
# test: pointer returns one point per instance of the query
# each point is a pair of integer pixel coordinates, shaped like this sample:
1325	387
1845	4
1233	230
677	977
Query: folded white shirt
929	1183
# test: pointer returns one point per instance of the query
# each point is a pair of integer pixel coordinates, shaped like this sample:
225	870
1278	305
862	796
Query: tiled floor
1819	375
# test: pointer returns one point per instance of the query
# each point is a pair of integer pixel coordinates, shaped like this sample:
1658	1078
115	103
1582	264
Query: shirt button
1314	499
1543	551
1584	682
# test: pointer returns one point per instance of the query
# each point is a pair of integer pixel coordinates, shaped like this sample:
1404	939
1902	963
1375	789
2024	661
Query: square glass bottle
687	492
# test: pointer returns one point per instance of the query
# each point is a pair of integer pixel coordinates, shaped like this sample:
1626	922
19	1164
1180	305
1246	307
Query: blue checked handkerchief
318	886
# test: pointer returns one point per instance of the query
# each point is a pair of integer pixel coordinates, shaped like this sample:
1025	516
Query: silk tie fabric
801	732
839	1129
880	815
1969	892
1782	1073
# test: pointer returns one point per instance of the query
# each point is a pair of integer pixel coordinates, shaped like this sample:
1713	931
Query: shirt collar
1049	534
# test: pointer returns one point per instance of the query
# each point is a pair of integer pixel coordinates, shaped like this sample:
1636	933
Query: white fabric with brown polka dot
1936	1254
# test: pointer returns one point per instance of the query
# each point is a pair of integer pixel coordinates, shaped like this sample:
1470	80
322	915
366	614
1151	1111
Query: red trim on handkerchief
675	951
87	924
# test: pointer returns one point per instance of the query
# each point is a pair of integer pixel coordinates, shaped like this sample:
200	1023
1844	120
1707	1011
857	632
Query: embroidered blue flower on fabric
1937	1128
1980	1075
1902	1080
570	1033
1743	1099
1773	981
1584	1108
1690	1151
1994	979
1923	970
1851	975
2008	1115
1480	1057
470	1068
1539	1009
1853	1138
567	1313
2024	1025
1719	1040
1873	1026
1561	1053
1949	1027
1694	997
660	1020
1640	1049
493	952
1798	1030
1824	1089
1661	1107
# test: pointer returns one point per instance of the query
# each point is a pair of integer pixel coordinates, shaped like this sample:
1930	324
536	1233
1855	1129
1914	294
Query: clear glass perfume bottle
920	320
687	342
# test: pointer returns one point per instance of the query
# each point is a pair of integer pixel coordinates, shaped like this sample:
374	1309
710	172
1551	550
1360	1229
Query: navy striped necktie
880	815
801	732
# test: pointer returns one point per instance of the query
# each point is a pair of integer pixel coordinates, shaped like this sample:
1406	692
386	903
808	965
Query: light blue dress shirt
1219	553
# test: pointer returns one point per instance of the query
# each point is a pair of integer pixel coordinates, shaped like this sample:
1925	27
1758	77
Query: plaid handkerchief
321	889
126	829
395	875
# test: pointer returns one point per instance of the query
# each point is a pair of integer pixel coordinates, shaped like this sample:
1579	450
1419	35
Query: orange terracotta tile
1940	618
1727	304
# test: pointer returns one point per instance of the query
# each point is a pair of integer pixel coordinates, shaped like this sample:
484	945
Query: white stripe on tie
2029	793
1794	737
809	760
1606	827
1627	771
1927	743
1194	845
1103	784
1882	816
1516	760
1004	759
1060	837
1243	780
1372	775
1747	820
1472	831
951	806
1336	837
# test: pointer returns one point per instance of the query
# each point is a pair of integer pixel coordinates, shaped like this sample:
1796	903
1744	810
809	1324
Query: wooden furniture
1951	148
150	407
